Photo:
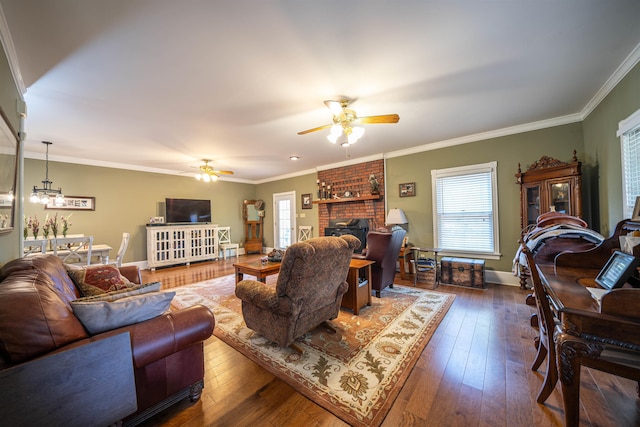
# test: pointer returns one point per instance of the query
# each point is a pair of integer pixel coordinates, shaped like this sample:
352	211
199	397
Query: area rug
357	373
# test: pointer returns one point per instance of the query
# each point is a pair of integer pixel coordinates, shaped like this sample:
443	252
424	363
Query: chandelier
43	195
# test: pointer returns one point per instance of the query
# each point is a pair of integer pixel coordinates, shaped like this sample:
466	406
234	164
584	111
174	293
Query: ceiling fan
345	120
207	173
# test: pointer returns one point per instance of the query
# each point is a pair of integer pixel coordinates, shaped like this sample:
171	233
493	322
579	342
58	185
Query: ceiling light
43	195
208	173
294	157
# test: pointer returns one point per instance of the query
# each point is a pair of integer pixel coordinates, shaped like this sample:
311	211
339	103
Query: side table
359	278
406	252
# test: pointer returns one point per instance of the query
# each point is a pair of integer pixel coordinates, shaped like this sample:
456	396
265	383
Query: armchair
383	248
308	292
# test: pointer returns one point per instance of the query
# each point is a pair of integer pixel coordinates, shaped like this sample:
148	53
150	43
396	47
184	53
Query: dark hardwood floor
475	371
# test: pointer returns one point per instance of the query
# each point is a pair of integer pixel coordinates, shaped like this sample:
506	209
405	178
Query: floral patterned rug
356	373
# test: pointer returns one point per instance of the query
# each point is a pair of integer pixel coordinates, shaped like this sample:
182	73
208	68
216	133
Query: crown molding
10	51
623	69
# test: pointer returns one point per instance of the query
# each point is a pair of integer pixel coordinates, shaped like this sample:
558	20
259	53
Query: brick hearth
354	178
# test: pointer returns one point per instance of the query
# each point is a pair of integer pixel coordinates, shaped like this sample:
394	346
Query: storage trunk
463	272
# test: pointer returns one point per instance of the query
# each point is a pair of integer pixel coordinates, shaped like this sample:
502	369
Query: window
465	210
629	133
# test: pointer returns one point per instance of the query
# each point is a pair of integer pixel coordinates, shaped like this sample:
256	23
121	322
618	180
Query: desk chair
612	356
224	241
73	250
123	248
305	232
546	325
37	246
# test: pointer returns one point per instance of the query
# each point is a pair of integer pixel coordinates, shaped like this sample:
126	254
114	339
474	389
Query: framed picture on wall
73	203
408	189
306	201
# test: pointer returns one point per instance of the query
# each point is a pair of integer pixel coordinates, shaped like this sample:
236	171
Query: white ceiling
160	84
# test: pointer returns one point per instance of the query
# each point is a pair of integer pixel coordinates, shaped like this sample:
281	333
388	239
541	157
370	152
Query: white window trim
491	167
626	125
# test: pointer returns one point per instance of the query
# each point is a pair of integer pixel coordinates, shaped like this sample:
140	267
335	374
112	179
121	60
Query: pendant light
43	195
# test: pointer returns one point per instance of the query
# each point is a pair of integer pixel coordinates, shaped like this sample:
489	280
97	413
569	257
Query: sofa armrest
132	273
165	335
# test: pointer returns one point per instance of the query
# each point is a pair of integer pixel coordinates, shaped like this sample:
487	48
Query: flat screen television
188	210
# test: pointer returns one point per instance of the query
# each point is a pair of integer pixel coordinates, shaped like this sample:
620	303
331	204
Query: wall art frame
307	201
73	203
408	189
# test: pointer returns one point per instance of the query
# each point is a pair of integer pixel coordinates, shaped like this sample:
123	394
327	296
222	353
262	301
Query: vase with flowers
34	225
25	230
46	227
65	224
54	225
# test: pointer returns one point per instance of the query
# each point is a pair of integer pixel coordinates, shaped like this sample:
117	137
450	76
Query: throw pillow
98	279
101	315
127	292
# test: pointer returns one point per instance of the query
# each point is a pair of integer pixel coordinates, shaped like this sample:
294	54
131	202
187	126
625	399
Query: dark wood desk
586	327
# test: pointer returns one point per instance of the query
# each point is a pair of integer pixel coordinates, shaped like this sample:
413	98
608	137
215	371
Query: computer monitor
617	270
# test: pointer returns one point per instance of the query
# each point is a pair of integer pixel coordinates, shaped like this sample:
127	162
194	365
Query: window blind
631	169
464	211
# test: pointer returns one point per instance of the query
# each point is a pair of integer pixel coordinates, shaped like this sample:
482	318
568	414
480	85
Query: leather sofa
36	320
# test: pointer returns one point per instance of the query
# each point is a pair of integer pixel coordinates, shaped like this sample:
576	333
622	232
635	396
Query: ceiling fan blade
315	129
223	172
386	118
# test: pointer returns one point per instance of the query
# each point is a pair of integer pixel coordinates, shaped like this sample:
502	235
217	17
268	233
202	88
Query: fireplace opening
358	227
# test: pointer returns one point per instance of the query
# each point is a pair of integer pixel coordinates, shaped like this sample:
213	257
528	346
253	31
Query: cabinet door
158	246
532	203
179	244
560	197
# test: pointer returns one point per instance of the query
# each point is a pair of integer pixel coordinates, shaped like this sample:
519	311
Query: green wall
508	151
301	185
602	148
125	200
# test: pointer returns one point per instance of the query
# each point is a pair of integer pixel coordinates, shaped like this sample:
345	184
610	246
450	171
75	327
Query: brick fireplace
354	179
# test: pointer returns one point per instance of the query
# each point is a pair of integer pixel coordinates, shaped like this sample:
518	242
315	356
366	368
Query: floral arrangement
34	225
375	185
46	227
65	224
53	223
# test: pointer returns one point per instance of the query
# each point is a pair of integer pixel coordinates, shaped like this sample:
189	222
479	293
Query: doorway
284	208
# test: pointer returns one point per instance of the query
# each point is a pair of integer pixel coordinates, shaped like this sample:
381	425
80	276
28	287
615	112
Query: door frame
286	195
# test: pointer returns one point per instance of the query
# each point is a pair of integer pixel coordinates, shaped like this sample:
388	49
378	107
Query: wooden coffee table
256	268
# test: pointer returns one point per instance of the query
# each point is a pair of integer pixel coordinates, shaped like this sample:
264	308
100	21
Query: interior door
284	208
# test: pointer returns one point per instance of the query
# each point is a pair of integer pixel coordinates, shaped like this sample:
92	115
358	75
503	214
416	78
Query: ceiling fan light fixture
355	134
206	177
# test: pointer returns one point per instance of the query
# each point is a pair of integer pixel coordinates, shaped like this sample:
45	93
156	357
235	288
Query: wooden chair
224	241
305	232
546	325
123	248
73	250
622	360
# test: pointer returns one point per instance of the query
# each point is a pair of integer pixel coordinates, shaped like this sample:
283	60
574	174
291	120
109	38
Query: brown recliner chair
309	290
383	247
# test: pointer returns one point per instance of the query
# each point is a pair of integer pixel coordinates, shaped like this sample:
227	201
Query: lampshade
396	216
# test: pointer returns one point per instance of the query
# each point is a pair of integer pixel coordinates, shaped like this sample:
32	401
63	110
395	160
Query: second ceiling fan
345	120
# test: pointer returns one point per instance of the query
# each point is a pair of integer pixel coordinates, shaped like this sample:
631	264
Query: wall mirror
8	173
252	210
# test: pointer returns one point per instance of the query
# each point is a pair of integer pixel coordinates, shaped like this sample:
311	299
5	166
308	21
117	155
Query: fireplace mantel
347	199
